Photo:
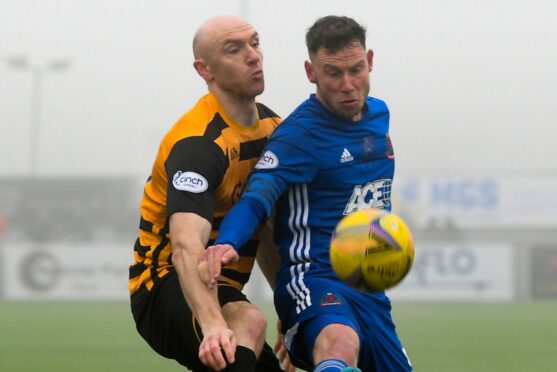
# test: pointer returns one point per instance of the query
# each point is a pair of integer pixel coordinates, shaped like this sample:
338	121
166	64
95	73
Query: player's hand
216	256
217	344
281	352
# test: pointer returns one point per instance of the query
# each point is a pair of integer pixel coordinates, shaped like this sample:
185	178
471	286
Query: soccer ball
372	249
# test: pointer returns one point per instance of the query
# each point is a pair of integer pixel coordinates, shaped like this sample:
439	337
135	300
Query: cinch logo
375	194
267	161
190	181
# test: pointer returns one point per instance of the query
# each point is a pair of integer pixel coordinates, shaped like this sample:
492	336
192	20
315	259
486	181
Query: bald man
200	171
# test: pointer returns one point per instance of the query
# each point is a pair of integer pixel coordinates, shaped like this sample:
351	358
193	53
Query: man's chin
351	115
257	90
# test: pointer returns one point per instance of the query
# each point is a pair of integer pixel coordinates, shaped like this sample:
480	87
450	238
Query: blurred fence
68	209
477	238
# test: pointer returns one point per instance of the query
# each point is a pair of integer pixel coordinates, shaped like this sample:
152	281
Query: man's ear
203	69
370	59
309	71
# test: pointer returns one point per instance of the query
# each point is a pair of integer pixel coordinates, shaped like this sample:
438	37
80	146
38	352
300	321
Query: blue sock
330	365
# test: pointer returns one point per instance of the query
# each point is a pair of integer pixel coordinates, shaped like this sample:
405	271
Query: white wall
472	84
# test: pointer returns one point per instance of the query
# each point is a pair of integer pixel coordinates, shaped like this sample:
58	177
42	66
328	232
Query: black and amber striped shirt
202	167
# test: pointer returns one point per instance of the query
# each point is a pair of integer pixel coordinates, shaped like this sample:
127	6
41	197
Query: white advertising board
65	271
441	272
459	272
478	201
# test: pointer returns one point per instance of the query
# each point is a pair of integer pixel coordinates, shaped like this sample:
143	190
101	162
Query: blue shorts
325	301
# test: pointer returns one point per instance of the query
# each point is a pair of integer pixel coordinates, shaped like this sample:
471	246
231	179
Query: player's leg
381	350
317	317
320	331
335	342
249	325
247	322
267	361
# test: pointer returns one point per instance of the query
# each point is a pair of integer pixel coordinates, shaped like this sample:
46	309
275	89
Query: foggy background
471	85
88	89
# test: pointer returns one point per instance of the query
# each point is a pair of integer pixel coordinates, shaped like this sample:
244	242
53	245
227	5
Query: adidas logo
346	156
233	154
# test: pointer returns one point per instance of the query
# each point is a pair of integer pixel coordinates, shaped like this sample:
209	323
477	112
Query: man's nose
347	84
253	55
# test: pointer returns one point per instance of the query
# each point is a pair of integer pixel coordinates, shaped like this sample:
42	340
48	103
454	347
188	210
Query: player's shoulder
183	132
197	128
301	121
194	120
376	105
265	112
268	119
198	150
377	116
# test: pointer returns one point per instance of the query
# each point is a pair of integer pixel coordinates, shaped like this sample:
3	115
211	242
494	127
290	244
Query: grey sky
472	85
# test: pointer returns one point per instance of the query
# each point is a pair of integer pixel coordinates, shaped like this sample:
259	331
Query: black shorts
164	320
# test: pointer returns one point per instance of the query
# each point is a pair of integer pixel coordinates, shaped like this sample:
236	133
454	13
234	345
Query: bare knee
337	341
247	322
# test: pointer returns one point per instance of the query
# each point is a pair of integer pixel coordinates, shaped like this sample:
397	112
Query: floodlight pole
37	74
35	135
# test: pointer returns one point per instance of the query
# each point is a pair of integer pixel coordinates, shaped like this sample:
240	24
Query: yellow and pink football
372	249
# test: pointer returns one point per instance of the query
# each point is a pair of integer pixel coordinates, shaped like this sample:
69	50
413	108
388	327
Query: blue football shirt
316	168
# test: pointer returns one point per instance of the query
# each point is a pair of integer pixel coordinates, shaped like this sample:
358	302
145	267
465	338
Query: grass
479	337
91	336
83	336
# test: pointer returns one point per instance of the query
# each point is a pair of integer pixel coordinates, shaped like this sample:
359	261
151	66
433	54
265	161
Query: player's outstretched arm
189	234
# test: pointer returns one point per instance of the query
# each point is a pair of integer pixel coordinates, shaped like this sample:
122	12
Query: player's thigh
381	346
303	318
248	324
337	341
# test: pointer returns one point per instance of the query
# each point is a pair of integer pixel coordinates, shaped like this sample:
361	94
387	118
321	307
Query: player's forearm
202	301
189	234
